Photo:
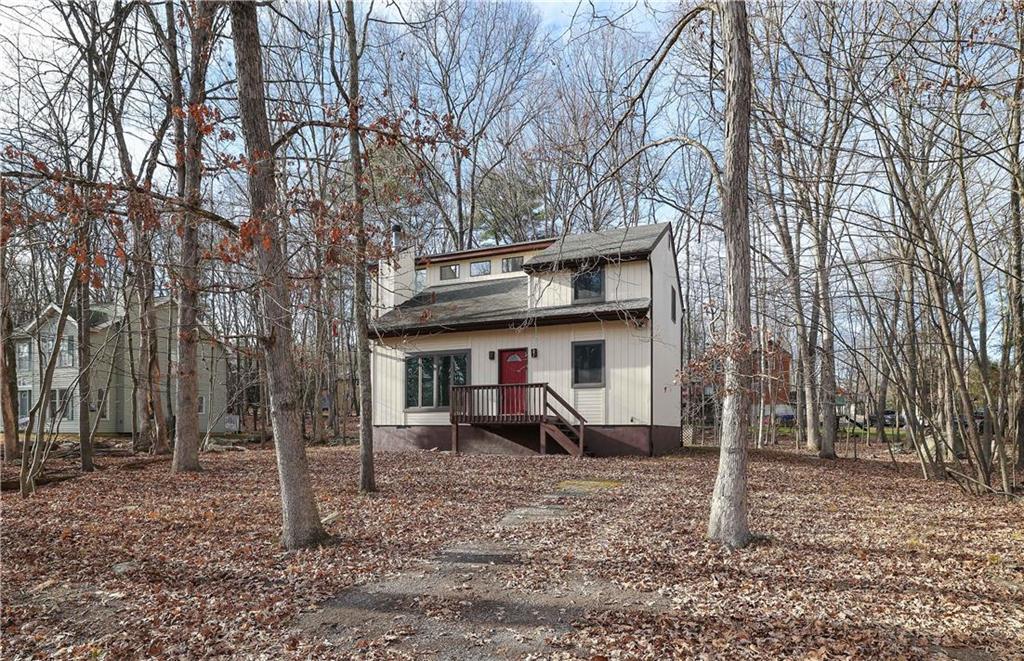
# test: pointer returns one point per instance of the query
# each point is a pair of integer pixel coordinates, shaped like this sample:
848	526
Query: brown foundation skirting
600	440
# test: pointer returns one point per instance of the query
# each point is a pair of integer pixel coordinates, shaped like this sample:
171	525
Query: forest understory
858	558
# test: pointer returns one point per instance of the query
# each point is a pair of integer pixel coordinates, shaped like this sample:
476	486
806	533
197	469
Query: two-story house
113	336
571	343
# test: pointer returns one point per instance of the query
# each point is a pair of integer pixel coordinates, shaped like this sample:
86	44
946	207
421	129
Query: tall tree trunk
300	518
84	357
362	314
190	169
8	361
729	514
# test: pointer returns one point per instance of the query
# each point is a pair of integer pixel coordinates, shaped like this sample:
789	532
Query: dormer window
512	264
588	285
450	272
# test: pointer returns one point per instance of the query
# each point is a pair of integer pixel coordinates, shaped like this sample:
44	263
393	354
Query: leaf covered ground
859	558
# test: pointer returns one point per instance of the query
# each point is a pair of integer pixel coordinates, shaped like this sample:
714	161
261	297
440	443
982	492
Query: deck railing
499	403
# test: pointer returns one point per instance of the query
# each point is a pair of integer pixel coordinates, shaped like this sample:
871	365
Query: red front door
512	370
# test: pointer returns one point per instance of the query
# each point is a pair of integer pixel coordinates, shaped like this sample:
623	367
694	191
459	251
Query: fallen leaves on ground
859	558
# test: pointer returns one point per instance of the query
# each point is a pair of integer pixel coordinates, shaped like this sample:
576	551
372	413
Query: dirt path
464	603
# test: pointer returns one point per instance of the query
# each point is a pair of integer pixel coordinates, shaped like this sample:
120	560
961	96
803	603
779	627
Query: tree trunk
84	369
366	477
728	523
190	168
300	518
8	364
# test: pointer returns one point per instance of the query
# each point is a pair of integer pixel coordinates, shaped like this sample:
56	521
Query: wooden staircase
519	404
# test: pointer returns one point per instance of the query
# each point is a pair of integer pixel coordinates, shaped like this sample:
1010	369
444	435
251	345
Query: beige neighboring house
553	345
111	381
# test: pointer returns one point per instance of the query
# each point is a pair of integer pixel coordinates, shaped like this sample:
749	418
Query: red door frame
513	400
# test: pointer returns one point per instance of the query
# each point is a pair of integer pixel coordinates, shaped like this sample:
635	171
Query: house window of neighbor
429	378
588	285
673	290
450	272
480	268
201	404
60	402
24	403
101	403
24	356
588	364
67	353
512	264
420	281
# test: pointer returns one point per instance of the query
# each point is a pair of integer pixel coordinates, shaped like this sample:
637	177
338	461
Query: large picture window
588	285
588	364
429	378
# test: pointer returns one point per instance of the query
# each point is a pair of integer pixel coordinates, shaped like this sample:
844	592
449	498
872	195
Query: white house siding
624	399
666	334
434	270
623	281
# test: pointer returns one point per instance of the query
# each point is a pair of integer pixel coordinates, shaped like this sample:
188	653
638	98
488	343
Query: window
588	285
512	264
67	353
24	403
480	268
60	403
450	272
420	281
588	364
429	378
100	404
673	289
201	404
24	356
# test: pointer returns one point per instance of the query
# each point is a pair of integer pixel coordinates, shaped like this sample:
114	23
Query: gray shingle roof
608	245
499	303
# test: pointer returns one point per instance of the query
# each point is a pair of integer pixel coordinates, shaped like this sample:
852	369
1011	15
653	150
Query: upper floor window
450	272
480	268
419	283
24	356
67	353
512	264
588	285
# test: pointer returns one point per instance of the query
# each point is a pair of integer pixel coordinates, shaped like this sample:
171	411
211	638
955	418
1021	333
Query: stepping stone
479	554
587	486
534	514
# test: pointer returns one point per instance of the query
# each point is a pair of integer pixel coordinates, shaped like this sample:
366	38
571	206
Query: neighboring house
771	384
111	400
531	347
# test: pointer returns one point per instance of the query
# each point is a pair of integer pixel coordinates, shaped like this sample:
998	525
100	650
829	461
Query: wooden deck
519	404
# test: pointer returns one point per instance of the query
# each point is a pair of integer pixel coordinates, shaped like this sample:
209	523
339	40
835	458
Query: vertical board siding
622	282
667	335
625	398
